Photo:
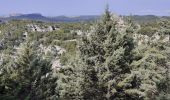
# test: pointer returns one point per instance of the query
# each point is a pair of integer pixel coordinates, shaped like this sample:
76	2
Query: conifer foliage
106	56
110	66
30	77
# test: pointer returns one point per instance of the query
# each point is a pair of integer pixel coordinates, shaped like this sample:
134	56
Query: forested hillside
112	58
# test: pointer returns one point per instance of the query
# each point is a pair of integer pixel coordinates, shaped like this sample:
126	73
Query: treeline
108	65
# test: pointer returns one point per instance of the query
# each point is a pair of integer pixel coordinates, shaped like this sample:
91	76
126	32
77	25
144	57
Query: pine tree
110	66
31	77
69	82
105	58
164	84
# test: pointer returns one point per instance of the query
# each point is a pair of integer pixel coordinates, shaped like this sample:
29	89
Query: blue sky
85	7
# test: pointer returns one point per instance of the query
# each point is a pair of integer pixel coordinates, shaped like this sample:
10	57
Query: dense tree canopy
83	62
111	66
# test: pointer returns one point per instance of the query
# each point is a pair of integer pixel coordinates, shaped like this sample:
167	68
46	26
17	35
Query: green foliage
105	59
30	77
147	31
109	66
104	64
150	70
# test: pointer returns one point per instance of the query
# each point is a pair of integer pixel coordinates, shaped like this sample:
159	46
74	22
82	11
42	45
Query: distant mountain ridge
39	17
148	18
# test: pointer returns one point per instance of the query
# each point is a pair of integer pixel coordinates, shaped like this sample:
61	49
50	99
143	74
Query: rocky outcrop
55	50
56	64
37	28
144	39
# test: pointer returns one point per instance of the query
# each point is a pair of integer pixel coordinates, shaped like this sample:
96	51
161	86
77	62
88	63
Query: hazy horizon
72	16
86	7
